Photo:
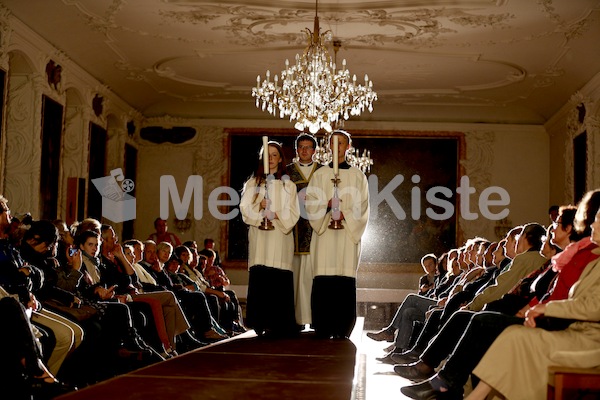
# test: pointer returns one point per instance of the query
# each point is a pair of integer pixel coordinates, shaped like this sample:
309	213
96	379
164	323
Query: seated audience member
213	273
516	364
194	304
134	250
96	289
486	326
189	267
162	234
23	373
415	307
38	248
426	282
87	224
230	312
19	277
553	212
168	316
463	337
193	246
577	255
228	315
209	245
160	308
398	323
438	316
449	271
472	278
65	241
179	279
529	260
103	346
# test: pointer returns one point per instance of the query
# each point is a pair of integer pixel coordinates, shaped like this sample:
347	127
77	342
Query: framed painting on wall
406	166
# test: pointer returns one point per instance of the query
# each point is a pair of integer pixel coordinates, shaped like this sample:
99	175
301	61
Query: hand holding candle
265	140
335	154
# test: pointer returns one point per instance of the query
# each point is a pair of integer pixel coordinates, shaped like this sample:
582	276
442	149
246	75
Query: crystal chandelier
313	92
324	156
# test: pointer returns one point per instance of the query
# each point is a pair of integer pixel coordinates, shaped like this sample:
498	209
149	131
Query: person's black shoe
406	358
412	372
238	328
382	335
187	342
420	391
388	358
43	389
133	340
424	391
136	354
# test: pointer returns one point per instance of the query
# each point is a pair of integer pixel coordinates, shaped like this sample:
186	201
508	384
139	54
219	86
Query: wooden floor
249	367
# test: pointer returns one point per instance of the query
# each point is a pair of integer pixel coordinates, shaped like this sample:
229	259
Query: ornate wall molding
5	36
207	149
23	148
593	124
208	162
575	125
75	150
477	166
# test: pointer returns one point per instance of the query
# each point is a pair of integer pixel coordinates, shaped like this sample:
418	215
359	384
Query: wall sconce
183	225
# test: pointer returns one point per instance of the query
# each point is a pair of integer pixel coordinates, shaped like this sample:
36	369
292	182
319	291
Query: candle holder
336	221
266	224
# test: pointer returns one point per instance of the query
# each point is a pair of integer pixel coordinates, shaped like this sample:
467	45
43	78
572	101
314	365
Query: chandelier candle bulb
265	140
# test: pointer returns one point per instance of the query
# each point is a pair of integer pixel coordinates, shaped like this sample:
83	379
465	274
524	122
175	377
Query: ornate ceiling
502	61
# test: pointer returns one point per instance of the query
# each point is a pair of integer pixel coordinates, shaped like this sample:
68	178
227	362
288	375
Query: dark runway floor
244	367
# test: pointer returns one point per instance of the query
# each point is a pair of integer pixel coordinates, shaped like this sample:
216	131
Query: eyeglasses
305	147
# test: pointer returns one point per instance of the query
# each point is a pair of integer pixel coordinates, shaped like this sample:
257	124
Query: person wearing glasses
300	172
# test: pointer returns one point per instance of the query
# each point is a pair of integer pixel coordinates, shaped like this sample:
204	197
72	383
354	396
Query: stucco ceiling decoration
455	60
250	26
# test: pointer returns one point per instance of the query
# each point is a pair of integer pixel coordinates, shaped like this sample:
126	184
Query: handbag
80	313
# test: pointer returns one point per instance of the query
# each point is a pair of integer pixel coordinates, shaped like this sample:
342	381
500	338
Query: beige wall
533	163
521	167
512	157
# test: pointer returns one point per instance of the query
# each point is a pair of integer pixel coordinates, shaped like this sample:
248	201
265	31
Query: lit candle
266	154
335	154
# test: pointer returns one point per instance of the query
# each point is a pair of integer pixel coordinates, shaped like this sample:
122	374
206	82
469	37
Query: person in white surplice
270	299
335	253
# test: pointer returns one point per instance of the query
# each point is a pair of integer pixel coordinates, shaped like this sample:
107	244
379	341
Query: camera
72	251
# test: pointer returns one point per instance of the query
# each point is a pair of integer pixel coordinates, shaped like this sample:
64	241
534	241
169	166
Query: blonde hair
164	245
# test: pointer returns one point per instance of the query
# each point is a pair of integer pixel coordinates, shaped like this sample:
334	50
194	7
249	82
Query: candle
335	154
265	140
